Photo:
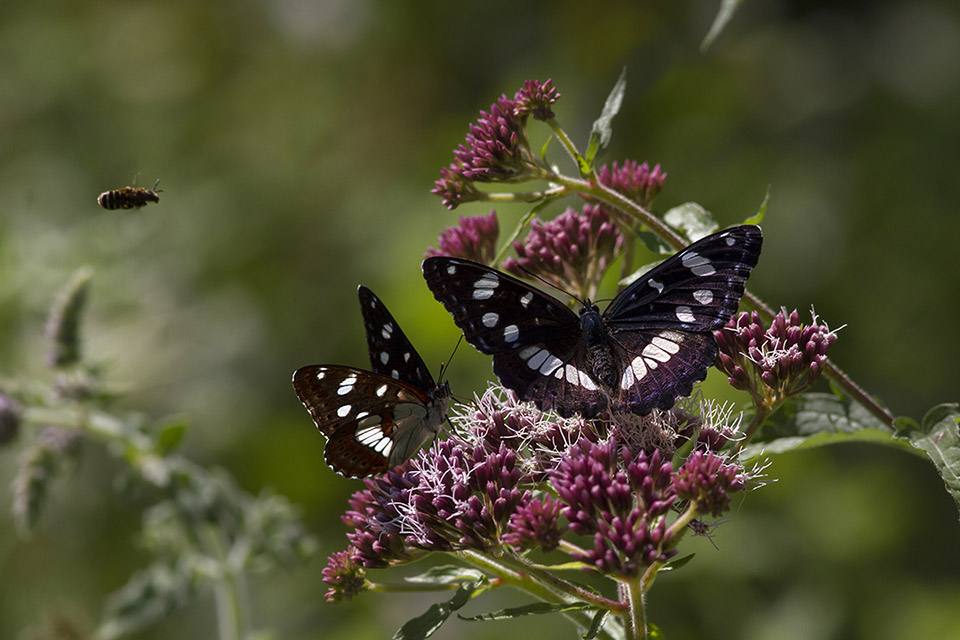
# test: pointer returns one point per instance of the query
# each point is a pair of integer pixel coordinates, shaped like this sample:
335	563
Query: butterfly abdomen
595	339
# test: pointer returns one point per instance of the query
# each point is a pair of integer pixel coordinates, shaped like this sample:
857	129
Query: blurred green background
297	140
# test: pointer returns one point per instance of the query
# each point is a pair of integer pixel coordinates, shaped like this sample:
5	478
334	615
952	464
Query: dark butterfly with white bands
649	347
374	420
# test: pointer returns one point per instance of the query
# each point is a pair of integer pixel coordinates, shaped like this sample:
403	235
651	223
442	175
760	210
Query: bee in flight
129	197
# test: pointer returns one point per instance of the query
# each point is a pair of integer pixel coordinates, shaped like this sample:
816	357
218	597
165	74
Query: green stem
637	614
674	534
565	141
226	591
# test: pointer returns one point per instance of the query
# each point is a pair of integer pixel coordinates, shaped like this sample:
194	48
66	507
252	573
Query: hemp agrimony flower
475	238
773	363
571	252
636	181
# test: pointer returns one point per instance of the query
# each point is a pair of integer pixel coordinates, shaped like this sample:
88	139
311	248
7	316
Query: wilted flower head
572	251
636	181
774	363
535	99
475	238
345	577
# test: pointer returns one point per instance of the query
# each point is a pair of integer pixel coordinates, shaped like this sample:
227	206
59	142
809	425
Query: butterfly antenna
550	284
445	365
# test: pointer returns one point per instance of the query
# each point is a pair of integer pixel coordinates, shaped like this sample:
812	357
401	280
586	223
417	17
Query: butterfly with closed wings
374	420
650	346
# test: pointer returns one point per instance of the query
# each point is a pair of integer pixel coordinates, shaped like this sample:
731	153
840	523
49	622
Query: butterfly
374	420
650	345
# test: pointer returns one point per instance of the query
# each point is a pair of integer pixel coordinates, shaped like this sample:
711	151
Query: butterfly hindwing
391	353
657	366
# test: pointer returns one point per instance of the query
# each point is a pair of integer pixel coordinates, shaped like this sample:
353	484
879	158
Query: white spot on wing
656	285
406	357
482	294
572	374
344	390
384	356
685	314
666	344
511	333
321	374
703	296
628	378
368	436
586	382
537	360
698	265
344	411
525	300
552	363
526	352
639	368
487	281
451	269
652	351
382	389
395	374
490	319
731	241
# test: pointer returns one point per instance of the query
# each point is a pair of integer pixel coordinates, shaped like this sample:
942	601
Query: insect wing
391	353
698	289
371	422
496	312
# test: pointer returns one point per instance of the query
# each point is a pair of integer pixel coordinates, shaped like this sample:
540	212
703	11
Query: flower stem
637	614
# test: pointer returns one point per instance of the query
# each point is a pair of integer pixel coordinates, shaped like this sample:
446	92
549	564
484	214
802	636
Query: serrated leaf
693	220
602	130
424	625
720	22
597	624
761	213
534	609
445	575
818	419
939	437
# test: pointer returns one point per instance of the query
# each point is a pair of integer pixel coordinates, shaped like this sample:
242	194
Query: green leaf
63	322
424	625
758	217
938	436
169	437
445	575
654	633
602	129
535	609
676	563
693	220
653	242
818	419
597	624
724	15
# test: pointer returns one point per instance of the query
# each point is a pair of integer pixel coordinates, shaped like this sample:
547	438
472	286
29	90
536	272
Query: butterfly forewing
496	312
391	353
698	289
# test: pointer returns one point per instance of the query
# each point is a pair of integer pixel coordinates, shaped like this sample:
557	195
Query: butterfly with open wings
374	420
651	344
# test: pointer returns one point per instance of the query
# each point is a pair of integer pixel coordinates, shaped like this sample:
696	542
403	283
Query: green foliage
938	435
424	625
602	131
692	220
